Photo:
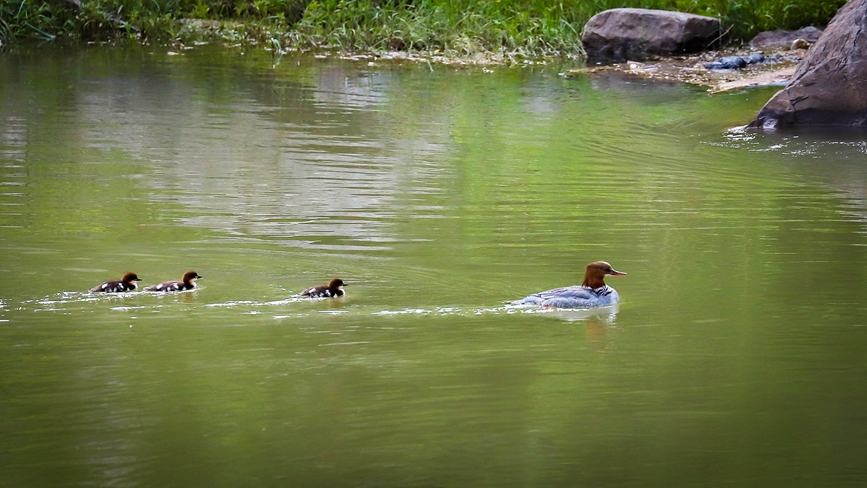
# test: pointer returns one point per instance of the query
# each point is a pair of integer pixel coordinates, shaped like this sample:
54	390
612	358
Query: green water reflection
735	358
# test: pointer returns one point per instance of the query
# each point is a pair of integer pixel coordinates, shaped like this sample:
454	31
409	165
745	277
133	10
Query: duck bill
614	272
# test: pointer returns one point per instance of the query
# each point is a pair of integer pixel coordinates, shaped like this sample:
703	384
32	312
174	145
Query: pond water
735	358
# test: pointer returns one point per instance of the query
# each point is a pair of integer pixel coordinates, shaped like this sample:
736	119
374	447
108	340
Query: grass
452	27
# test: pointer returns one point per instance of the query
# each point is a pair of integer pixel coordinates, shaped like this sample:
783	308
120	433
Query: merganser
187	283
127	283
593	292
333	289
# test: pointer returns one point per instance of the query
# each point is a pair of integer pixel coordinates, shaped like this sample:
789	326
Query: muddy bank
777	69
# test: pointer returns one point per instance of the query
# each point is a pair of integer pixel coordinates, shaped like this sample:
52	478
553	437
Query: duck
188	282
333	289
593	292
127	283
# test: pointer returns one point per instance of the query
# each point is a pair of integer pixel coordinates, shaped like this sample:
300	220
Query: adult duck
593	292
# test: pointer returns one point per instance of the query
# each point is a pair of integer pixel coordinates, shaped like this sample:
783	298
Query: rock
735	62
623	34
782	39
830	84
800	44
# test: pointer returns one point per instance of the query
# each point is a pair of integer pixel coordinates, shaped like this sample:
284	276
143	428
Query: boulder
783	39
830	84
622	34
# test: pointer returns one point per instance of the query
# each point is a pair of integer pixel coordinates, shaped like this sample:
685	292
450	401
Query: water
736	357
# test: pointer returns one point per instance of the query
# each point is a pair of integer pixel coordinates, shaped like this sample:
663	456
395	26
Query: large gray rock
783	39
830	84
622	34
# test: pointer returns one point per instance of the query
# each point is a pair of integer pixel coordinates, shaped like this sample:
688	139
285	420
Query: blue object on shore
735	62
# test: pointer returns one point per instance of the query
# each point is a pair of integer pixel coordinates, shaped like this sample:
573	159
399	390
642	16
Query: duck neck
593	281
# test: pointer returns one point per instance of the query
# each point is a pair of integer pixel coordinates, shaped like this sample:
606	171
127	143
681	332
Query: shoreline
777	70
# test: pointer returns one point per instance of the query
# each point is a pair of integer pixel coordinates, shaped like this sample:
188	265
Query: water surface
736	357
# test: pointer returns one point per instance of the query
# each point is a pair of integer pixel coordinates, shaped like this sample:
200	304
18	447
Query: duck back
572	297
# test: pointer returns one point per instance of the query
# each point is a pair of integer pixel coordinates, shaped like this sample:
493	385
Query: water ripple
817	142
73	302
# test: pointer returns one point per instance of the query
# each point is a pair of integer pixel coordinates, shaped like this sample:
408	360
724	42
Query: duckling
127	283
333	289
188	282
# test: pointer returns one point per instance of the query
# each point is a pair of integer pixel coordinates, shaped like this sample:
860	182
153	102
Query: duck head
191	276
129	278
336	284
594	275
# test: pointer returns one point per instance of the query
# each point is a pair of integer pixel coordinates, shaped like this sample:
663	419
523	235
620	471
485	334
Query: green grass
461	26
456	27
23	20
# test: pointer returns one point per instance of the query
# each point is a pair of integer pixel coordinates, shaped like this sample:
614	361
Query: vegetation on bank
457	27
